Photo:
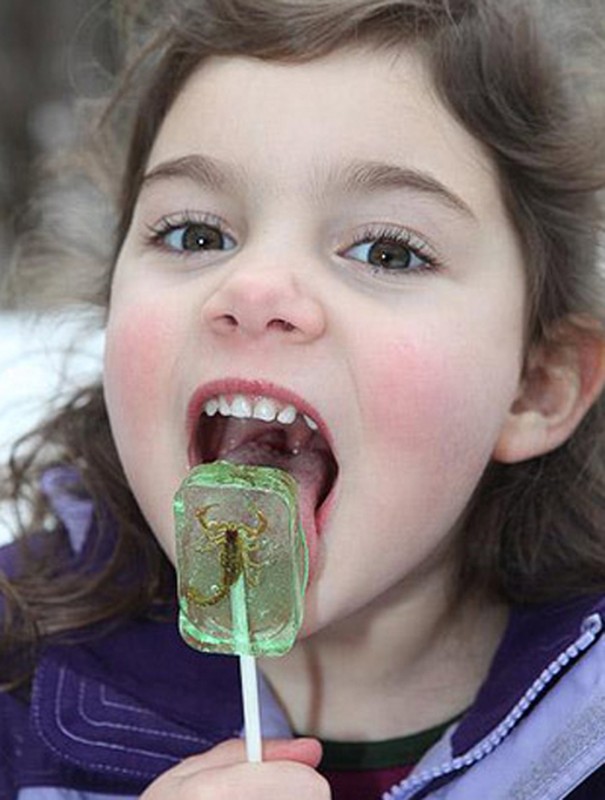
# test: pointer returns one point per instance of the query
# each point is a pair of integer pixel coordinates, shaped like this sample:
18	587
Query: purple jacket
108	715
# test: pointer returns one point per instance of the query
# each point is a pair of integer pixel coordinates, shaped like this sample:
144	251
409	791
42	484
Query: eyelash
398	236
158	233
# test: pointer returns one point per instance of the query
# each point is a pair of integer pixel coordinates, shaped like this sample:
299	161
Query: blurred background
50	52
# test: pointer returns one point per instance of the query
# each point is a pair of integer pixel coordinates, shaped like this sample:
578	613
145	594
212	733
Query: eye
196	236
391	251
191	236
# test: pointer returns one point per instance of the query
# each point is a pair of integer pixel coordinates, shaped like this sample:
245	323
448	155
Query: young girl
367	232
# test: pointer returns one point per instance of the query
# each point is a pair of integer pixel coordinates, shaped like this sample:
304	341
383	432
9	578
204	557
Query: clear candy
242	560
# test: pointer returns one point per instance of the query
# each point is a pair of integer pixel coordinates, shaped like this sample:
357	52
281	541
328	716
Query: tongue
308	468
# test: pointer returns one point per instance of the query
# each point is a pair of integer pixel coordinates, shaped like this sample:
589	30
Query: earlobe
562	379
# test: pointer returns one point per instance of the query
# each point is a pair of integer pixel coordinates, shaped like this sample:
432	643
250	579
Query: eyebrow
375	176
352	177
206	171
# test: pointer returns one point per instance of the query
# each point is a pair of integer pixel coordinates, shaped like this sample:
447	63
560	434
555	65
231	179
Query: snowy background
51	51
39	358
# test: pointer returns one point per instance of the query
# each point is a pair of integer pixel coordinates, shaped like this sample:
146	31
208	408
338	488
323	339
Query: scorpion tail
199	599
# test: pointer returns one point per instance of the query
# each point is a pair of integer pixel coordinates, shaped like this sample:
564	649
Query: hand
288	770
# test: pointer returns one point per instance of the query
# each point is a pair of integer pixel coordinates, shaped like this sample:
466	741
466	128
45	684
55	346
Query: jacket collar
534	638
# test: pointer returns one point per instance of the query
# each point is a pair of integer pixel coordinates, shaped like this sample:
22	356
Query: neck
389	671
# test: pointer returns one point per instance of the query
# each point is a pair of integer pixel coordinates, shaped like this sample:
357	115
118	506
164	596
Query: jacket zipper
590	630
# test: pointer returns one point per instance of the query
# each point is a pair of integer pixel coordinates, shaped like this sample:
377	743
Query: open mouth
262	431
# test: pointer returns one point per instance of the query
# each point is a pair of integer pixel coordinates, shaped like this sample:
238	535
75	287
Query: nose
265	303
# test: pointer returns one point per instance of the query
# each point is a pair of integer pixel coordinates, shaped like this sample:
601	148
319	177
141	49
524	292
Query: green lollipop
241	559
242	566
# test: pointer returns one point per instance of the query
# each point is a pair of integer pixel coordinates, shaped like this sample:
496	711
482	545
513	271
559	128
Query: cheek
136	359
408	390
439	402
139	354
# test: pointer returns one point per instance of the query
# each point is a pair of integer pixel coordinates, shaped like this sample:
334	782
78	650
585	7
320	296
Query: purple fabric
76	513
114	709
135	704
149	662
535	636
111	712
553	748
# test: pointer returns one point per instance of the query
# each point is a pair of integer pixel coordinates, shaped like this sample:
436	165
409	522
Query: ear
562	378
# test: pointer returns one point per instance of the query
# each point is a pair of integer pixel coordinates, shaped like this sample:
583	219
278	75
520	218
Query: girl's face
323	236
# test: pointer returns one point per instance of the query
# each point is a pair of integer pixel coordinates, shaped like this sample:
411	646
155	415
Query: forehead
283	126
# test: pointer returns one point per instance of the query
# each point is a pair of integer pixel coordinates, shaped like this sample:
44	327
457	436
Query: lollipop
242	568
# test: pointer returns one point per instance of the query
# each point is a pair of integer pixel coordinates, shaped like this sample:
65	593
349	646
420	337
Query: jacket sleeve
13	725
592	788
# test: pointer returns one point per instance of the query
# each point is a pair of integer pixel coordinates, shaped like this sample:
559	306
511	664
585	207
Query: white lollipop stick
249	678
254	742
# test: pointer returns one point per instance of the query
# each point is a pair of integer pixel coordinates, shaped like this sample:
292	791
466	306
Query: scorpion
237	542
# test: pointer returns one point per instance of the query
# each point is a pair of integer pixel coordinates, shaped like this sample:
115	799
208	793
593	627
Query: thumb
304	751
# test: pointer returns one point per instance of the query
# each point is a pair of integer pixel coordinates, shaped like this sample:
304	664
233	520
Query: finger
303	751
270	779
233	751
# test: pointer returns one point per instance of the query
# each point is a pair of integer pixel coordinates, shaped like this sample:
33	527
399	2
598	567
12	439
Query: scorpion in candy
237	542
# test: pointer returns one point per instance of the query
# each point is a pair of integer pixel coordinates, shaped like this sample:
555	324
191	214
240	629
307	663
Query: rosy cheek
405	390
134	355
430	399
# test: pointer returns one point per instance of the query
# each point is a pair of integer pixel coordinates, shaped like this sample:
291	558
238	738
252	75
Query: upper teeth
263	408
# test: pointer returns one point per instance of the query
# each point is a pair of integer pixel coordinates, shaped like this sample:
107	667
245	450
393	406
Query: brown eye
195	237
390	255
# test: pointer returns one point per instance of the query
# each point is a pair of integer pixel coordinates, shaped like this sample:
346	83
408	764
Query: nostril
229	320
224	323
247	310
281	325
